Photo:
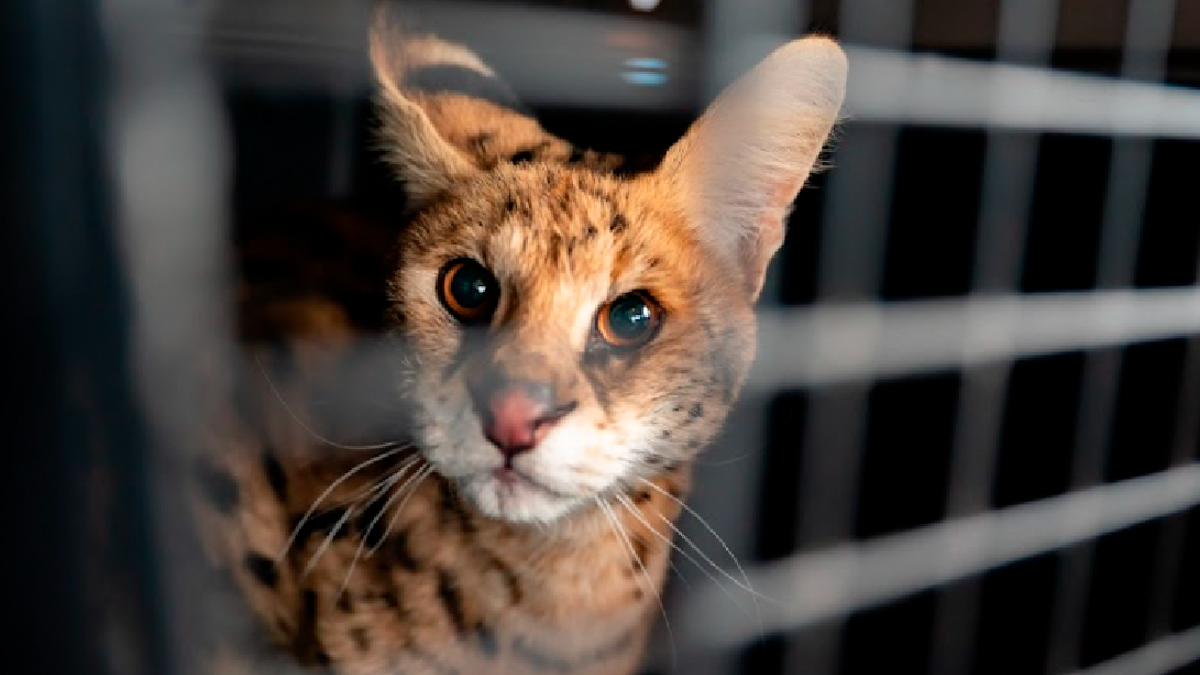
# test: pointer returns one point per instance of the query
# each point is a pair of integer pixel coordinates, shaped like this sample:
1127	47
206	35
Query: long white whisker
363	536
312	562
744	583
641	565
416	480
633	511
287	545
283	402
384	484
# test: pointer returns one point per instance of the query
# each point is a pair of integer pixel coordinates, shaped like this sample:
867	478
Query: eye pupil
630	317
468	290
629	321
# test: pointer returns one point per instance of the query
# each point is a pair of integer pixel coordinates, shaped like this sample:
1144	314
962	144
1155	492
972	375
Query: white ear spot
740	166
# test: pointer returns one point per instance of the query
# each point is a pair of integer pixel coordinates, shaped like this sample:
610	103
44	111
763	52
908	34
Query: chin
517	500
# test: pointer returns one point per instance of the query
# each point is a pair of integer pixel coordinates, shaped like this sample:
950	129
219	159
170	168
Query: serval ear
740	166
425	161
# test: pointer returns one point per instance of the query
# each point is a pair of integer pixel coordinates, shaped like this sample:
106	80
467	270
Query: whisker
283	402
744	583
362	539
633	511
328	491
312	562
385	483
416	481
639	564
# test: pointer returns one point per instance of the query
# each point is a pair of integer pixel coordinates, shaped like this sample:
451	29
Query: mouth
510	494
513	481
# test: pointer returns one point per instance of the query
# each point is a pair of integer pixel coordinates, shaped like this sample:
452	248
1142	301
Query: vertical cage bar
86	591
1185	446
1147	37
854	233
1025	34
169	163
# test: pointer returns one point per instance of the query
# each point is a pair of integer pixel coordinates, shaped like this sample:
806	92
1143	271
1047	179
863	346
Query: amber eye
630	320
468	290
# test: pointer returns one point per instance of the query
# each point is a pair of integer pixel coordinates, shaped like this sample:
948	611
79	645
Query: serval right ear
740	166
426	163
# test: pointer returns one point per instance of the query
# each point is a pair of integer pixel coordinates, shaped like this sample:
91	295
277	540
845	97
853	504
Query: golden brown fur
446	570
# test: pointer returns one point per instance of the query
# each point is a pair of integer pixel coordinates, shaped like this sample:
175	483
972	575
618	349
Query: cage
968	444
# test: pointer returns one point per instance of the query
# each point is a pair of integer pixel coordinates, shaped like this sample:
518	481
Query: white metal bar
1159	657
809	588
824	344
926	89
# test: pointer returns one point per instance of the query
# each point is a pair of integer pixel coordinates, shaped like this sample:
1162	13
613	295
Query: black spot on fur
515	592
480	140
362	639
451	598
401	553
696	411
641	497
590	232
263	569
618	224
307	644
275	475
510	205
665	434
640	549
219	488
390	600
345	604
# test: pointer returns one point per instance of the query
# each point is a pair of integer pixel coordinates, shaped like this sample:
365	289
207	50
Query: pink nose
517	417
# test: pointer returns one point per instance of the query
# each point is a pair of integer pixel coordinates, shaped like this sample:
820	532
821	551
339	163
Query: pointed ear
425	161
740	166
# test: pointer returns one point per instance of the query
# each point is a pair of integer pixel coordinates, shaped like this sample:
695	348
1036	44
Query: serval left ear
427	163
739	167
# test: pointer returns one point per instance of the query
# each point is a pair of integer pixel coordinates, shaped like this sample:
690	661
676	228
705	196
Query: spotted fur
448	569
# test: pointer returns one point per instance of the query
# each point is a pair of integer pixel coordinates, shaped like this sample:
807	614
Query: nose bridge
535	355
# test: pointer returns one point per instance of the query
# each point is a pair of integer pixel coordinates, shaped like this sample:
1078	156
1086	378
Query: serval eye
630	320
468	290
